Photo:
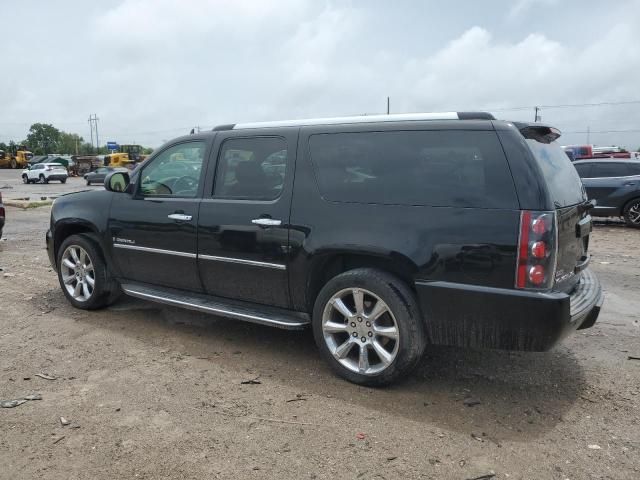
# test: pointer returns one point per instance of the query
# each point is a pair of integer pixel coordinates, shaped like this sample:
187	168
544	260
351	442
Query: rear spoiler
538	132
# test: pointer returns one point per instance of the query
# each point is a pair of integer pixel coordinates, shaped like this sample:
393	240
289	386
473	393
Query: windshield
561	176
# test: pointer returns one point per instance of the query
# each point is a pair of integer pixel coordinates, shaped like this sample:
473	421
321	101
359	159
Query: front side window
251	168
175	172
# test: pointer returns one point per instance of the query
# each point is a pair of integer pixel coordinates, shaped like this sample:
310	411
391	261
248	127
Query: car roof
607	160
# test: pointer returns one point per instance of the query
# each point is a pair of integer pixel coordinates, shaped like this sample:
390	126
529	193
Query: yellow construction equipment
18	158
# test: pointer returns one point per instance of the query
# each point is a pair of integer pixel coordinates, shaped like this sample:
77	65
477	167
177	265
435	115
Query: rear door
569	198
605	179
243	231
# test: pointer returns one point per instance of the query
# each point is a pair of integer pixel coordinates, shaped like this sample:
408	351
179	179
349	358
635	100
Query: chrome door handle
180	216
266	222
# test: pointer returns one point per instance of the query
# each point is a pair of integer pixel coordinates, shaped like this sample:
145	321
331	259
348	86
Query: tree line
44	138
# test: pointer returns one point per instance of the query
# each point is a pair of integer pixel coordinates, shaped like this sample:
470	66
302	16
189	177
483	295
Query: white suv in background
44	172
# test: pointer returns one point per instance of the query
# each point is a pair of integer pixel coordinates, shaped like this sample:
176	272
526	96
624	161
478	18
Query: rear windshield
561	177
433	168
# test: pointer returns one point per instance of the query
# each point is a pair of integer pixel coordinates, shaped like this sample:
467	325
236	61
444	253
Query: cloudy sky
153	69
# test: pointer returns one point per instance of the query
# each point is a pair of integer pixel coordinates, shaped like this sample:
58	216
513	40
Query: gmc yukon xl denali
384	234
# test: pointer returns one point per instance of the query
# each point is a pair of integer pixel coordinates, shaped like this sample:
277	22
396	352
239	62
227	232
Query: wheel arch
66	229
327	265
627	203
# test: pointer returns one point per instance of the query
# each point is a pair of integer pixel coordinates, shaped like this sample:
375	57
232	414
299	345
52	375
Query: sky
153	69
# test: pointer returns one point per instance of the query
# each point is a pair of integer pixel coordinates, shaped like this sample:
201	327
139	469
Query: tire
88	183
14	164
631	213
64	180
104	290
25	179
42	179
334	331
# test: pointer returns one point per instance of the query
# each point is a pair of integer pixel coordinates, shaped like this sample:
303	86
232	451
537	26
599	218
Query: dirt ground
153	392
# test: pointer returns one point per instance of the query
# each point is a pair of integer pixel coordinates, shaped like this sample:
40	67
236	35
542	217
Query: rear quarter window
431	168
561	177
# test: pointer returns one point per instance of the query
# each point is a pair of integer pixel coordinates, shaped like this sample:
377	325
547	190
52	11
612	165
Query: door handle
266	222
180	216
629	184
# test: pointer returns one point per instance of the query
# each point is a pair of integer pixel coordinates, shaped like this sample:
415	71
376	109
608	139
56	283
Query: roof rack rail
400	117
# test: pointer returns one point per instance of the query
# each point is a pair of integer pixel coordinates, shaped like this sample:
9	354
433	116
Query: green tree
70	143
43	138
4	147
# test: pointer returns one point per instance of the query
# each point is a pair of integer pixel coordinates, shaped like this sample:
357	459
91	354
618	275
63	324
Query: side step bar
248	312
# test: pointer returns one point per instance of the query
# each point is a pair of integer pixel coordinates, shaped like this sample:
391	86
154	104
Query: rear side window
634	168
607	170
251	168
559	173
435	168
584	170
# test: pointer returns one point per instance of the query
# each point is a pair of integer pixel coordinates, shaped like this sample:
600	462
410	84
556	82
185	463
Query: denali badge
123	240
561	276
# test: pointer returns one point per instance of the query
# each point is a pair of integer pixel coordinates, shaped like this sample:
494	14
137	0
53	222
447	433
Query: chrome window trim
242	261
154	250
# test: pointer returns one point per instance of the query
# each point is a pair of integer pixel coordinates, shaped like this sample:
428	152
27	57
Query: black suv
383	234
615	186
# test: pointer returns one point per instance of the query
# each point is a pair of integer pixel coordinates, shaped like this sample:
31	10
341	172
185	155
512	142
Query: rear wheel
64	180
88	182
83	274
368	327
632	213
14	164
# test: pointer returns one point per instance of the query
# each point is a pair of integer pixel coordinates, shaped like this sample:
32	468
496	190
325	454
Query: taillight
537	245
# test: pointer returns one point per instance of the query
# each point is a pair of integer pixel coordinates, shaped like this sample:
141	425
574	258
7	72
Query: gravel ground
153	392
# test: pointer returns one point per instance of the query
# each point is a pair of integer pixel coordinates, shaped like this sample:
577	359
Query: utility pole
93	123
388	105
537	116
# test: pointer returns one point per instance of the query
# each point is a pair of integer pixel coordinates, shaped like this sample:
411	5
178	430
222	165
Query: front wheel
367	325
14	164
64	180
25	179
632	213
83	274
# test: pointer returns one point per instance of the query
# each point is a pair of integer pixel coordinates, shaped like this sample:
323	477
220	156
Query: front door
154	231
243	244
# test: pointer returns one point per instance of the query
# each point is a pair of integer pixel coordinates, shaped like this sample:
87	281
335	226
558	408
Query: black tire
106	289
25	179
403	305
88	182
14	164
631	210
64	180
42	179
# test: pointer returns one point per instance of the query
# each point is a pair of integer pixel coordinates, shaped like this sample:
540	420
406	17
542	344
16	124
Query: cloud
152	69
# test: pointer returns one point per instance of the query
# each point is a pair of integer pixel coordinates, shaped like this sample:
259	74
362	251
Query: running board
248	312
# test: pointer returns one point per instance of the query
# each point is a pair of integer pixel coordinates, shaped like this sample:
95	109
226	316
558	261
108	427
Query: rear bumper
57	177
487	317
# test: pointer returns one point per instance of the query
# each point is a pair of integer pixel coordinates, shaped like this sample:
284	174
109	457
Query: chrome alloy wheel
78	274
360	331
634	213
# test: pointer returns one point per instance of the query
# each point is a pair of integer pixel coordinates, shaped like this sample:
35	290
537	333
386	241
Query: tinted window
437	168
559	173
583	169
603	170
251	168
175	172
634	168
